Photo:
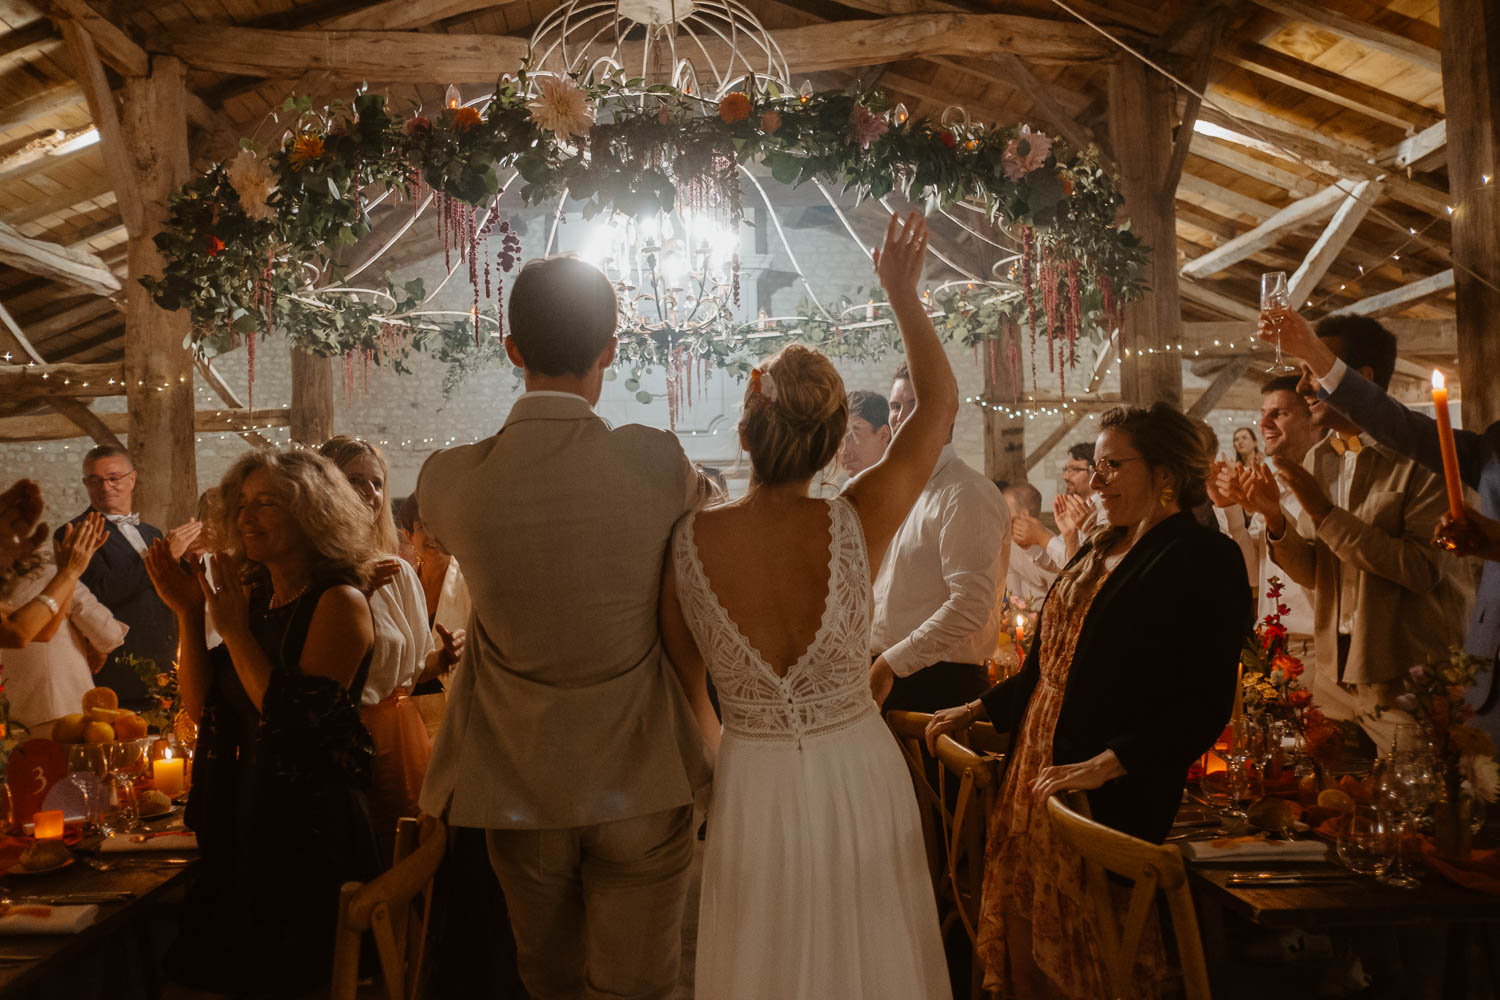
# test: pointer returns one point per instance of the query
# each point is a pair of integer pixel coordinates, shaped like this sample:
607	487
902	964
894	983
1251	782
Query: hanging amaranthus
1013	354
1028	287
1075	310
1051	303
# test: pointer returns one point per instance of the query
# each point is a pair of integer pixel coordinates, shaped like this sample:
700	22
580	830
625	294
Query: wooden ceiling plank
1332	240
1267	234
416	57
1359	32
1416	337
73	267
1313	79
25	43
114	46
397	15
1224	196
69	319
1227	156
1401	297
60	202
40	105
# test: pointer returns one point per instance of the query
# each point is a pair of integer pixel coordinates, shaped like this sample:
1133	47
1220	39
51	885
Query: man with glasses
1074	510
117	573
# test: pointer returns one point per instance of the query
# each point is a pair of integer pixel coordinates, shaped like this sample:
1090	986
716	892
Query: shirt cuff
902	660
1334	378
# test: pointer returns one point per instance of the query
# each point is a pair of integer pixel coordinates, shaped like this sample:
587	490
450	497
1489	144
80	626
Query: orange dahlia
305	148
735	107
466	118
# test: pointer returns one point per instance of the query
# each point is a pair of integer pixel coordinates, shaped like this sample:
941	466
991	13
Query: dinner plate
159	815
19	869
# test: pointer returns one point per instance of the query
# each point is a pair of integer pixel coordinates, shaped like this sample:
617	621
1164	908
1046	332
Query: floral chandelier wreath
256	244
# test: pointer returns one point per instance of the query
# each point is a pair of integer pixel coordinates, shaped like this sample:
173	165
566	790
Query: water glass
1364	844
118	812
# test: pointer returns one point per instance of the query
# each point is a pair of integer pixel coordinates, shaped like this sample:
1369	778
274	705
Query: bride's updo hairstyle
795	415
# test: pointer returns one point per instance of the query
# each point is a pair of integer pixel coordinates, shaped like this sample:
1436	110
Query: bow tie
1341	444
123	518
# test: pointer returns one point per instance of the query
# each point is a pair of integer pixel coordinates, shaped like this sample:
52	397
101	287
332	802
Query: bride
815	879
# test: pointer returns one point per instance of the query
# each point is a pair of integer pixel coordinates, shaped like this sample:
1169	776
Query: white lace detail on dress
829	687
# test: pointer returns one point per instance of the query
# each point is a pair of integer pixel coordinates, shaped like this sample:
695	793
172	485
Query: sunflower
305	148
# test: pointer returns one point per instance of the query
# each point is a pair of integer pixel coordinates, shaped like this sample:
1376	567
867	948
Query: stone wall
409	416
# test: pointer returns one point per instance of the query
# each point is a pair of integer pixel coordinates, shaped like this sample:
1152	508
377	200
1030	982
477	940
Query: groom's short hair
562	315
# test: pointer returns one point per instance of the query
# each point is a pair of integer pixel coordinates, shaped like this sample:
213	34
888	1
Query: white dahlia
1483	774
251	178
562	107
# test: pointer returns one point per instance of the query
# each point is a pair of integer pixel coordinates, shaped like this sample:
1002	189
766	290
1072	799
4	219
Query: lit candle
49	824
1445	442
166	775
1020	628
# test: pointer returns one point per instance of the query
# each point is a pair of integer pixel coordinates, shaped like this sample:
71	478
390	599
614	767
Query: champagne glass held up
1275	297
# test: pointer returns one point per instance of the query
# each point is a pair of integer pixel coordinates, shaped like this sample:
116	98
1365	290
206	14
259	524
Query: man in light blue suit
1414	435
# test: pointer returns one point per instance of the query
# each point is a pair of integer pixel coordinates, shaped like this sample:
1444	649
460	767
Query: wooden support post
1140	127
1471	92
158	368
312	399
1004	436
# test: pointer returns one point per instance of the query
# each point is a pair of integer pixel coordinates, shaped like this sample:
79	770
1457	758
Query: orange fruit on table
98	732
100	697
130	726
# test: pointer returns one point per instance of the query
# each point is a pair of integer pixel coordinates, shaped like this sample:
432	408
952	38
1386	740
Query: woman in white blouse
404	653
46	678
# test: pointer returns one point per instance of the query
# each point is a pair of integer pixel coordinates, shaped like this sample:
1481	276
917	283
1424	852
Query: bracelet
47	603
972	711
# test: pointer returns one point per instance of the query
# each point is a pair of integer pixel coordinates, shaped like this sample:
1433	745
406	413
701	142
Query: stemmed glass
1275	296
1407	787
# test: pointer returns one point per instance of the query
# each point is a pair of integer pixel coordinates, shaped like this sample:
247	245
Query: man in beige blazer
567	736
1384	598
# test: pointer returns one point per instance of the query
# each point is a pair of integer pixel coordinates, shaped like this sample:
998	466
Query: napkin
1253	849
28	918
166	840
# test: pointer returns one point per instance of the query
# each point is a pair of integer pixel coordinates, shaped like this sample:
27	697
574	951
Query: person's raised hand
79	543
1026	531
1258	489
182	537
227	599
1471	535
899	261
1218	482
1070	510
1305	487
177	588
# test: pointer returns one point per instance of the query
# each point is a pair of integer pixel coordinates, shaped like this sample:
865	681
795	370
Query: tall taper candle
1445	443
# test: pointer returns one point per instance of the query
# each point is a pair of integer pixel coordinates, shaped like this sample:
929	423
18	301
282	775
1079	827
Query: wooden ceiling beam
416	57
1399	298
1267	234
1332	240
25	43
399	15
13	341
1360	32
17	430
1416	337
42	330
73	267
1208	190
23	383
1341	90
1199	295
67	198
88	70
40	105
1226	155
1427	150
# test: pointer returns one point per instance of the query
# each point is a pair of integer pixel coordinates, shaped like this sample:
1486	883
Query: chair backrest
910	729
1153	868
985	738
395	909
978	776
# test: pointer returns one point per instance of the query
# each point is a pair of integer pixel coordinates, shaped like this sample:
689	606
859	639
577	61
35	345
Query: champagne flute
1275	296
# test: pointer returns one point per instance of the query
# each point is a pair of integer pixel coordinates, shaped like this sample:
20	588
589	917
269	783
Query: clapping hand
1257	490
227	600
20	532
1313	498
1070	510
182	537
1471	535
79	543
1222	484
1026	530
176	587
900	261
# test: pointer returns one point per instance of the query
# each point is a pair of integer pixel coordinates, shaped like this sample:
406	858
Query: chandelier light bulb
452	97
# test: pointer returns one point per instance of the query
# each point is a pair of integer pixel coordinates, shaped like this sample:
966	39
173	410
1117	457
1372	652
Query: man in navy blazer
117	573
1415	435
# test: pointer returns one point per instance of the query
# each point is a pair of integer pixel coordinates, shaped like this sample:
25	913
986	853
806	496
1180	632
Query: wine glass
1408	786
1275	296
1364	842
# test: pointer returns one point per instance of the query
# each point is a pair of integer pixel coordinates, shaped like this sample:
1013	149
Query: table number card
35	766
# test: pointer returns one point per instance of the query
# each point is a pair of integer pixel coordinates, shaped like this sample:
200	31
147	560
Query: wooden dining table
149	882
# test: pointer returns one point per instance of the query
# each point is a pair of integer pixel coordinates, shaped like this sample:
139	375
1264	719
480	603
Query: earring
1166	496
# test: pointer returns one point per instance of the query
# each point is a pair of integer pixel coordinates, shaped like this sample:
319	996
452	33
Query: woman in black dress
282	766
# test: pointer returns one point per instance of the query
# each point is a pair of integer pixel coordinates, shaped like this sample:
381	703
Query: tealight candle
48	824
166	775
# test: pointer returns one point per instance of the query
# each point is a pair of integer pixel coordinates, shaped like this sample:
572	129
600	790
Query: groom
567	737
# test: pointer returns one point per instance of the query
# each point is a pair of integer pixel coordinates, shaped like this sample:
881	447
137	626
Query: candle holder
48	825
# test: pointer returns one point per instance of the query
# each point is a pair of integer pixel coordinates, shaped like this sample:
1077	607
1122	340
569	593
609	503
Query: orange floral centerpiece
1271	685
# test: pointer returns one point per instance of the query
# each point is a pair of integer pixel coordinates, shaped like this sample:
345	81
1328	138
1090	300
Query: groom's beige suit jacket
564	711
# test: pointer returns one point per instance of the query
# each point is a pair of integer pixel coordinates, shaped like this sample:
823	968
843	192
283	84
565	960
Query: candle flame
1020	621
1438	382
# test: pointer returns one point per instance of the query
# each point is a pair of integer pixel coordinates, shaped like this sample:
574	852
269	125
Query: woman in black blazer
1131	678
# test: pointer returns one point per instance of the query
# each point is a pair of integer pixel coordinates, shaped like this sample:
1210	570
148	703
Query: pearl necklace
274	603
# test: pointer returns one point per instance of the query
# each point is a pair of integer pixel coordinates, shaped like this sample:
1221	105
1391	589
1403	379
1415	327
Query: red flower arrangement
1271	686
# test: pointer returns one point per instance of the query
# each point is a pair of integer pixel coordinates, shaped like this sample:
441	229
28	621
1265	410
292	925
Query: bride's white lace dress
815	879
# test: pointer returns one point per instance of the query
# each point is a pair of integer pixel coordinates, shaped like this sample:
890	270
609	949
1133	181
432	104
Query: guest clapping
283	763
1132	678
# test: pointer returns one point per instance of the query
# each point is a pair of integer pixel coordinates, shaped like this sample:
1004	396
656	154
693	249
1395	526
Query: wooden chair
395	909
1152	868
910	730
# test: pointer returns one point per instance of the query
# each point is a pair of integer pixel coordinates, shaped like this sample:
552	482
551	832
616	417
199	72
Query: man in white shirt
936	619
1075	510
1025	578
869	433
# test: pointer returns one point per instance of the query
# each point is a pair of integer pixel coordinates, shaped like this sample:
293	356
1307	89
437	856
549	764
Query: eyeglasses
1107	469
1079	467
94	482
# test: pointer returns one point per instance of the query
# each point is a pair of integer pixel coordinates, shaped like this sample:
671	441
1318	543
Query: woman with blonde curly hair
404	654
772	593
283	762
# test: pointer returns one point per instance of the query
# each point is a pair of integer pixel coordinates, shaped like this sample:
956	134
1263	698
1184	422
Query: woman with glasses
1131	679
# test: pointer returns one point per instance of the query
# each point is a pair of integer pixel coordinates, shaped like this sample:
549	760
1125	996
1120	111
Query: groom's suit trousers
597	910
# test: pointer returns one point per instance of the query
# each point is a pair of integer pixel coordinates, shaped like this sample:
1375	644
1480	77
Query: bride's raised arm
884	493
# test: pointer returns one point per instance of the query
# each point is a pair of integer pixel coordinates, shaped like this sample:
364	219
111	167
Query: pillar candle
1446	444
166	774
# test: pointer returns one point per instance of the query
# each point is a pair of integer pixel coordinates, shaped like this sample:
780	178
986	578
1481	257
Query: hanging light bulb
805	92
452	98
901	114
